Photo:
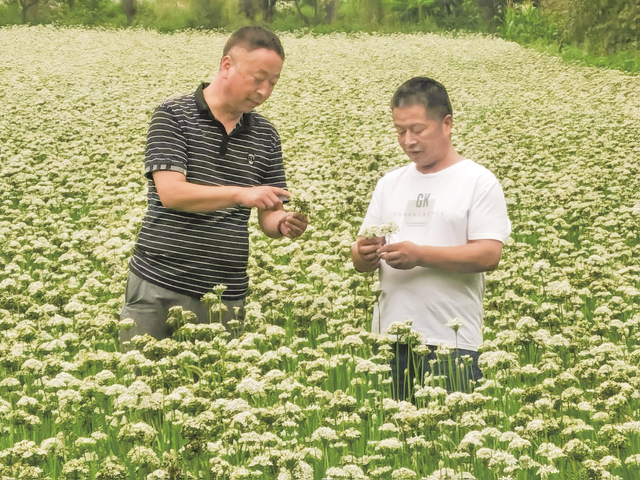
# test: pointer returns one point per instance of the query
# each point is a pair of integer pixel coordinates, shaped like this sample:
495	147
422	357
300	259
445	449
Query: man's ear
225	64
447	123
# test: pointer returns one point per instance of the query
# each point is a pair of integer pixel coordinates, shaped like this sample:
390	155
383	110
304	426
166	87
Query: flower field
306	393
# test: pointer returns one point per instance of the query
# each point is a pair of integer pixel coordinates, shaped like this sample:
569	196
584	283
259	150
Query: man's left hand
293	224
401	255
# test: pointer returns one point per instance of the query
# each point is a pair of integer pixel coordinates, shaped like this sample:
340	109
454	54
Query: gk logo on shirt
423	200
419	211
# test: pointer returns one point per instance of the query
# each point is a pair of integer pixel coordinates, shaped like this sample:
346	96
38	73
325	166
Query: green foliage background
606	26
598	32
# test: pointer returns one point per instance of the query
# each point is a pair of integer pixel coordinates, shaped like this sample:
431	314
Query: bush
208	13
604	26
9	15
362	13
625	60
286	20
92	13
435	15
526	24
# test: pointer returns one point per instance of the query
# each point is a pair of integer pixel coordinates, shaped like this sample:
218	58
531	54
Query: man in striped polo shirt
209	160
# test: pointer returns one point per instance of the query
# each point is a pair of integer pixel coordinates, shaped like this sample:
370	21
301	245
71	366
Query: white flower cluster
378	230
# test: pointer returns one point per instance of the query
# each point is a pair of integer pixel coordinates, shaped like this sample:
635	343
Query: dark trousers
460	375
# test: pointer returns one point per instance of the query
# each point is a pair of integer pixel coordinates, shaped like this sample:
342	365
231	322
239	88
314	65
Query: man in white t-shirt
453	222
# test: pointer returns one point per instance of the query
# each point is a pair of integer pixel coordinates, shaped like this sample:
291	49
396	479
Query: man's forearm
178	194
473	257
194	198
269	221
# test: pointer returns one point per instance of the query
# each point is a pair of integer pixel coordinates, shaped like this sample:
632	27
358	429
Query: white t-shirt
448	208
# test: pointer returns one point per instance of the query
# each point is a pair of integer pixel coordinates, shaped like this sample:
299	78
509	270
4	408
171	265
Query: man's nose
265	90
410	138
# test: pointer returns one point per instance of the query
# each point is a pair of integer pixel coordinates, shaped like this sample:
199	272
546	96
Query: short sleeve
166	146
488	218
275	176
374	215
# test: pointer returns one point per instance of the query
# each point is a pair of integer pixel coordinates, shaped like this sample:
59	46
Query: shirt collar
246	121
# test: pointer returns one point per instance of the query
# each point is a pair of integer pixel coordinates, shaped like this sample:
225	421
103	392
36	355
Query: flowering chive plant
298	203
382	230
306	391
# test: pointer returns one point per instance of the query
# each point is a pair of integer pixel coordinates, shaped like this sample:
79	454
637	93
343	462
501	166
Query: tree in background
130	8
252	8
450	7
490	11
363	12
26	5
604	26
440	14
321	11
209	13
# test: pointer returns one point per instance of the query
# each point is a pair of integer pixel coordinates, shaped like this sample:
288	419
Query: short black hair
252	38
426	92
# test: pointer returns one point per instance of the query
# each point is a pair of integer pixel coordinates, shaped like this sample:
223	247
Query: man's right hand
367	251
262	197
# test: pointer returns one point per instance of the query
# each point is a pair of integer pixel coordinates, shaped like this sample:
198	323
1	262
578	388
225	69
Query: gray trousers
148	305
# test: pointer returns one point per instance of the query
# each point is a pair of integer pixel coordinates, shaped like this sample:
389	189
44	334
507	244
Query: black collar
244	125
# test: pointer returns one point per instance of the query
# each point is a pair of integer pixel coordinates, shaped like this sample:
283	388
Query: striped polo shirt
190	253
